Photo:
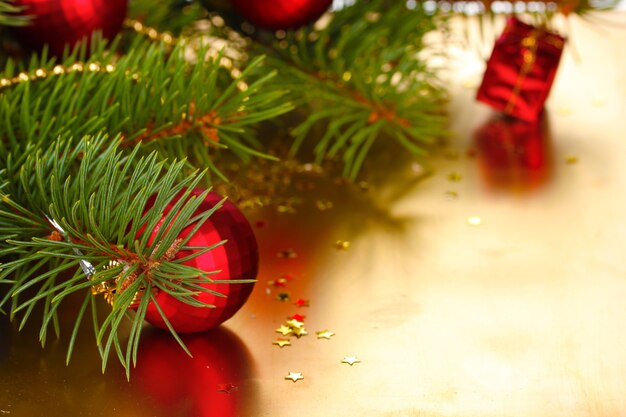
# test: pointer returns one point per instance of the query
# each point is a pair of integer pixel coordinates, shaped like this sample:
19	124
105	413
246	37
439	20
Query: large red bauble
236	259
66	22
281	14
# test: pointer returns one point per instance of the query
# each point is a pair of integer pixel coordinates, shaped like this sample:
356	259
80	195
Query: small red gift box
521	70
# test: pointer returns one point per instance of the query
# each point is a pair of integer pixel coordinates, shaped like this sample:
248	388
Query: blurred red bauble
237	259
66	22
215	382
281	14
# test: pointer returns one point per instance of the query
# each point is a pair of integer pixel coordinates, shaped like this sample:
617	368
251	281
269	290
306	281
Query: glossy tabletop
489	282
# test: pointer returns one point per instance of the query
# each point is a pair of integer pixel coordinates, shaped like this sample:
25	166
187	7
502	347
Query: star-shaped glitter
301	302
454	177
299	332
350	360
474	220
297	317
282	296
227	388
284	330
282	342
287	254
342	245
325	334
294	376
279	282
294	324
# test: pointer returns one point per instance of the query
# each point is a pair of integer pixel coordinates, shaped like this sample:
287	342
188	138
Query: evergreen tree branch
147	94
8	14
102	203
361	77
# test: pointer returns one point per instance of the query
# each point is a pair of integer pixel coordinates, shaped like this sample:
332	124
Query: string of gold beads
42	73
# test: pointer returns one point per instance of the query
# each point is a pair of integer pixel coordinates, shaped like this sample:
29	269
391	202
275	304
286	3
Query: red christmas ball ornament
66	22
281	14
237	259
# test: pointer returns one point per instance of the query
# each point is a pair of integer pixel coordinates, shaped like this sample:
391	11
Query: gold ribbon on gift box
531	44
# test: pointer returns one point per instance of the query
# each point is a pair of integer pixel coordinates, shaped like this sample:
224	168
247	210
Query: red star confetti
227	388
281	342
294	376
288	277
297	317
260	223
301	302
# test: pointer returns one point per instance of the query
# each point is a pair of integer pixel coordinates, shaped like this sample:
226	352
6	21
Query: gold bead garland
42	73
227	50
228	58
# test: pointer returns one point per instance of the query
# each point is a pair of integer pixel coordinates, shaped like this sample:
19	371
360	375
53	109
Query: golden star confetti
227	388
299	332
451	195
287	254
295	324
564	111
363	185
475	220
294	376
571	159
281	342
451	154
285	208
598	101
342	245
284	330
469	83
454	177
310	168
325	334
301	302
350	360
282	296
323	205
417	168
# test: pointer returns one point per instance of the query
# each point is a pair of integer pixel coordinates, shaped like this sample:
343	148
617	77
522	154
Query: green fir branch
106	201
361	77
9	14
151	94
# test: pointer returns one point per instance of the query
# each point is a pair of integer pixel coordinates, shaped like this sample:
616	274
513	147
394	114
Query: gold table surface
494	291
